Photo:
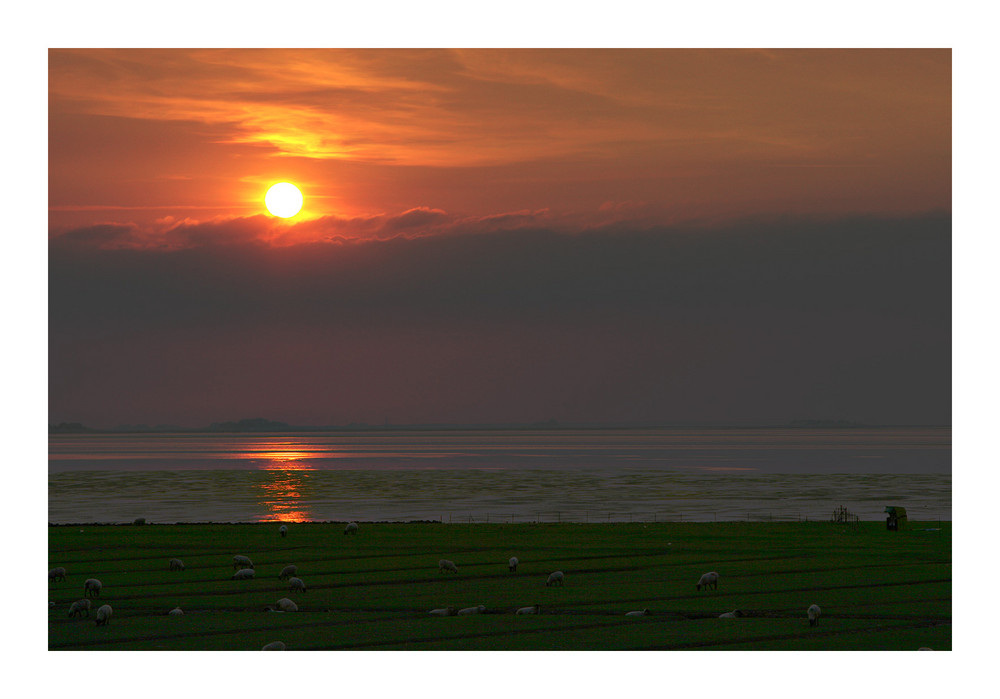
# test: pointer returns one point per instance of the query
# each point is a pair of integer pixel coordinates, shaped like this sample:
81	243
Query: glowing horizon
500	236
651	135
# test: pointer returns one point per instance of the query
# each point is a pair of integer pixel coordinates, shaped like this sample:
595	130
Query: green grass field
878	590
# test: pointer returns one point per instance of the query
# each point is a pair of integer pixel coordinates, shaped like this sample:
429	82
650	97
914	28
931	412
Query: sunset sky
607	236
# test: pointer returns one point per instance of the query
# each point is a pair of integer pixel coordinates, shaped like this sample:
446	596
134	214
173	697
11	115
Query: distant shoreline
912	525
79	429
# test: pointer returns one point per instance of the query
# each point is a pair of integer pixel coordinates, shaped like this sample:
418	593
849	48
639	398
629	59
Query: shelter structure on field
896	517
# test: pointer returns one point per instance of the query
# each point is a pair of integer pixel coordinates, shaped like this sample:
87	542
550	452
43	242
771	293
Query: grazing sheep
641	612
139	521
176	611
287	605
287	572
446	566
708	580
512	564
735	614
472	610
274	645
297	585
813	613
92	587
444	611
243	574
241	562
283	530
555	578
351	528
103	614
533	609
176	564
80	608
57	574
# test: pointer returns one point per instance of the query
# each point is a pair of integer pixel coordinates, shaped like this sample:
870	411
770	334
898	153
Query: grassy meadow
878	590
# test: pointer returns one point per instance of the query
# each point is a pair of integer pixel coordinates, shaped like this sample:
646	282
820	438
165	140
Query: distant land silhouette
263	425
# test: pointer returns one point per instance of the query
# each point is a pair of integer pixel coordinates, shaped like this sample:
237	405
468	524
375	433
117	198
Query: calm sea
501	476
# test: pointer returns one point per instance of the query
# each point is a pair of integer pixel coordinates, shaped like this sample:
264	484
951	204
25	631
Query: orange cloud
481	106
692	133
171	233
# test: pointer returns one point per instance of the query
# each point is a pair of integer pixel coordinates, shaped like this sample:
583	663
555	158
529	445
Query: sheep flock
245	570
455	598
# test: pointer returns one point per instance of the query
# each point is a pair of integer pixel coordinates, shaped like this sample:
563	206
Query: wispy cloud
457	108
172	233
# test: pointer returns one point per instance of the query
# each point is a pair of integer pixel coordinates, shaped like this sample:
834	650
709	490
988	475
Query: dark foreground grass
879	590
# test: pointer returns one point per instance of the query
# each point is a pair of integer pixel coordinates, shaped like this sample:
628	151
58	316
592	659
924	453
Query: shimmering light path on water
501	476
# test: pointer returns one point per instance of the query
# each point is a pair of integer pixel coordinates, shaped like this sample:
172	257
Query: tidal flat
588	476
878	589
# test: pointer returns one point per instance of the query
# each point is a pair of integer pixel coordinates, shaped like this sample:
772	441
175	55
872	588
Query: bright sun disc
283	199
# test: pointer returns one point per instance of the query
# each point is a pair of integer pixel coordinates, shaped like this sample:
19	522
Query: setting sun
283	200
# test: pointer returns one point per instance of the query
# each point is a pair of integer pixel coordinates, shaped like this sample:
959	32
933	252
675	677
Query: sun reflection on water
286	479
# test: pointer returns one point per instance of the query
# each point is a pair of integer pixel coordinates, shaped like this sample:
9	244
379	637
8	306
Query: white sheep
708	580
57	574
297	585
287	605
443	611
351	528
641	612
243	574
283	530
103	614
80	608
176	564
472	610
274	645
446	566
813	613
555	578
287	572
92	587
241	562
176	611
533	609
512	564
735	614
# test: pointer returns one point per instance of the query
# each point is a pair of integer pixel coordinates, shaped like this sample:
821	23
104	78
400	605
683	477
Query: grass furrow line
786	637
